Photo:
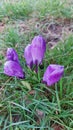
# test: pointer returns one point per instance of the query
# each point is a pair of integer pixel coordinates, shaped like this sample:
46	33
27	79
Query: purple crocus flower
34	52
28	55
38	48
12	68
12	55
53	74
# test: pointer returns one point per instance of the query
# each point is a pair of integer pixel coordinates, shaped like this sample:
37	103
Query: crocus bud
12	55
12	68
28	55
53	74
38	48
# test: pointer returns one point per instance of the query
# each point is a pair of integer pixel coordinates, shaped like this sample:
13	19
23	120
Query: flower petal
12	55
53	74
12	68
28	56
38	48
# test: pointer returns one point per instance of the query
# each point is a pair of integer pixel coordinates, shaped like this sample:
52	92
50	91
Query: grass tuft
40	8
15	10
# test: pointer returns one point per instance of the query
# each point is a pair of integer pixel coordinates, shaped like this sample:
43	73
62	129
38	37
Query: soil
53	30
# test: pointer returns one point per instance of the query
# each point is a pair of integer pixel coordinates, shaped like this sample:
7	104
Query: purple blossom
38	48
12	55
28	55
53	74
12	68
34	52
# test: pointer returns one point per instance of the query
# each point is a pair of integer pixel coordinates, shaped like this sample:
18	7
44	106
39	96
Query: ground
28	104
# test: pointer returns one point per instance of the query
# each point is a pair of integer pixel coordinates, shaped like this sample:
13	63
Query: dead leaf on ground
26	85
57	127
2	26
40	113
32	92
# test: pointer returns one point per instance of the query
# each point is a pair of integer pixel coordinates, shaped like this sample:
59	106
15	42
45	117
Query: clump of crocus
12	55
34	52
53	74
12	66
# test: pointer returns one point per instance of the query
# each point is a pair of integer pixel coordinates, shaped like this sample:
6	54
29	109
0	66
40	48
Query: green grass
21	101
55	8
24	9
13	36
18	108
15	10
